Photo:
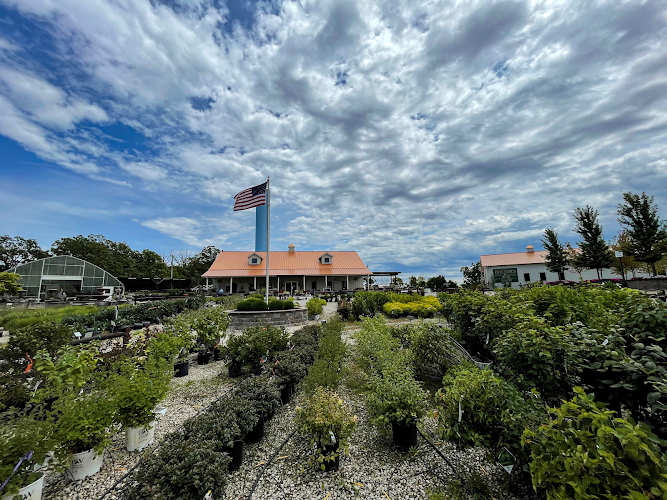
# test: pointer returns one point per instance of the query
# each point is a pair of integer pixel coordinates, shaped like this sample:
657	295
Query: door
234	287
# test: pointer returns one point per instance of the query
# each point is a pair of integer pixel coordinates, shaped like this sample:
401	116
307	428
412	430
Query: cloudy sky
419	133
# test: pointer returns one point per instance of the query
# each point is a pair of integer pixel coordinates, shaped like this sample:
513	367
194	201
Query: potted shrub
397	399
254	344
172	345
265	397
289	369
315	307
135	393
82	429
210	326
328	422
24	443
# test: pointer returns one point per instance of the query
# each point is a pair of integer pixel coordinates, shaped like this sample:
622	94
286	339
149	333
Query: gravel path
187	396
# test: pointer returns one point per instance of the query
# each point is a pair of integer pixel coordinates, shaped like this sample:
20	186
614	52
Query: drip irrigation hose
456	472
266	465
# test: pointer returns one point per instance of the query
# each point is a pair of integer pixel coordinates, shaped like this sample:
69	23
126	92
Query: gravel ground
188	396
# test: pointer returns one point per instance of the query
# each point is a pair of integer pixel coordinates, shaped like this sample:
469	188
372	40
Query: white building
528	267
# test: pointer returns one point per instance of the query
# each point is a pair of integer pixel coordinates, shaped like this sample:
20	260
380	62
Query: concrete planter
288	317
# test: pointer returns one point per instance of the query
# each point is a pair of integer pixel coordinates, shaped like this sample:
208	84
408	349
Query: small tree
437	283
9	283
557	260
627	263
594	251
647	233
572	255
472	276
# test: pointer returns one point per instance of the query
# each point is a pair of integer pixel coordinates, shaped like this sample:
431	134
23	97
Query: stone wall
649	284
243	319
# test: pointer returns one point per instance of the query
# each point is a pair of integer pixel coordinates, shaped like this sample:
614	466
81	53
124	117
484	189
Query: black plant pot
146	323
286	393
234	370
182	369
137	326
236	454
405	434
256	434
330	465
216	354
203	359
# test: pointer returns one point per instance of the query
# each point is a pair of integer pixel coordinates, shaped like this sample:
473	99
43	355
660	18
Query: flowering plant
329	423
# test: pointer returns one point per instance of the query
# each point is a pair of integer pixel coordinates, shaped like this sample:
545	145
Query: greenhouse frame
49	277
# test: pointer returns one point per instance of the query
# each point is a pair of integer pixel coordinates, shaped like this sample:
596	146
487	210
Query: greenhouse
53	276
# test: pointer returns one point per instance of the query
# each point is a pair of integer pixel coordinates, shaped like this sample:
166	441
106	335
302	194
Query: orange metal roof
229	264
513	259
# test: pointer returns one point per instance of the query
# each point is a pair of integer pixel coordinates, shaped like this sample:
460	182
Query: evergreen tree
594	251
647	233
557	260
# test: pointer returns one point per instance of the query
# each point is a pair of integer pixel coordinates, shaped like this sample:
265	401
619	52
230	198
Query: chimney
530	249
290	248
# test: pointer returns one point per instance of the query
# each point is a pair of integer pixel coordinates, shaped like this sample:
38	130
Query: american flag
250	198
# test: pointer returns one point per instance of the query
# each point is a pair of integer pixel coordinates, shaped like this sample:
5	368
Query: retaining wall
243	319
648	284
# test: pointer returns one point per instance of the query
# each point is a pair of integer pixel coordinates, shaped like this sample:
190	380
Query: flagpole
268	218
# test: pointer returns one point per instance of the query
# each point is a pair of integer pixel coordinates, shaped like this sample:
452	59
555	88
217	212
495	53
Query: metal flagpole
268	218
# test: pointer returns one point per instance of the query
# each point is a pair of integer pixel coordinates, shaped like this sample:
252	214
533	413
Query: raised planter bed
243	319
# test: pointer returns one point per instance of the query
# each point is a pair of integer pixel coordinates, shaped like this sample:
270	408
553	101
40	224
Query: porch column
325	281
278	287
255	284
206	281
347	282
304	284
230	284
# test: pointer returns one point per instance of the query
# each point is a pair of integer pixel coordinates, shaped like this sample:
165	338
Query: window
327	260
254	260
543	276
526	277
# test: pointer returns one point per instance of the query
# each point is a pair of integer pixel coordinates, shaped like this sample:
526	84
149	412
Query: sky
421	134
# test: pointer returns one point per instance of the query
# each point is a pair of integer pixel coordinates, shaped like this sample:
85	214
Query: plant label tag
606	341
460	409
506	460
333	438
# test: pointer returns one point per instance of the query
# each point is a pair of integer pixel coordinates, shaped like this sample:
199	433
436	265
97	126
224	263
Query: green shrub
375	348
326	371
586	453
263	394
495	413
182	469
48	336
227	302
536	355
280	305
256	342
289	368
434	351
13	319
315	306
368	304
308	335
344	309
253	304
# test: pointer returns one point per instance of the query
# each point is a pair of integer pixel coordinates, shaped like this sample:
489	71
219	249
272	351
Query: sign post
619	255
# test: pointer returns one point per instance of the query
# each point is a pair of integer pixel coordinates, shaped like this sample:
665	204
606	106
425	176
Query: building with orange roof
522	268
242	272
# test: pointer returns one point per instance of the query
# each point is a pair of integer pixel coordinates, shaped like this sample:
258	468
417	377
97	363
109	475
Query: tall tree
9	284
117	258
194	266
151	265
437	283
557	260
627	263
472	276
594	251
648	234
16	251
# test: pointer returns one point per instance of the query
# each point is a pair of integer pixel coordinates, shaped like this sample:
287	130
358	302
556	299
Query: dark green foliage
647	233
326	371
256	342
289	368
252	305
368	304
557	259
14	392
437	283
472	276
536	355
433	352
344	309
48	336
308	335
495	413
16	250
280	305
594	251
182	469
585	453
263	394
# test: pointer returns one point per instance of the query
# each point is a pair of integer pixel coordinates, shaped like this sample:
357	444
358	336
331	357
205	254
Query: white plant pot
31	492
139	437
85	464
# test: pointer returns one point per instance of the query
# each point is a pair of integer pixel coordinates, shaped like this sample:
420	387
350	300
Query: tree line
117	258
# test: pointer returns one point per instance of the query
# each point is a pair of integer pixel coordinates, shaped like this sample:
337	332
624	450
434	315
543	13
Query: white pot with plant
24	443
136	391
83	430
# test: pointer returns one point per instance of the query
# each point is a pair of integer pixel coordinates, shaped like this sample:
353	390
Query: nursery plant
585	453
328	422
263	394
254	343
315	306
69	368
25	443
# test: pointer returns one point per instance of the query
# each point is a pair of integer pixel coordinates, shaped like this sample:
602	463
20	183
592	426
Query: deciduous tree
16	250
472	276
9	283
